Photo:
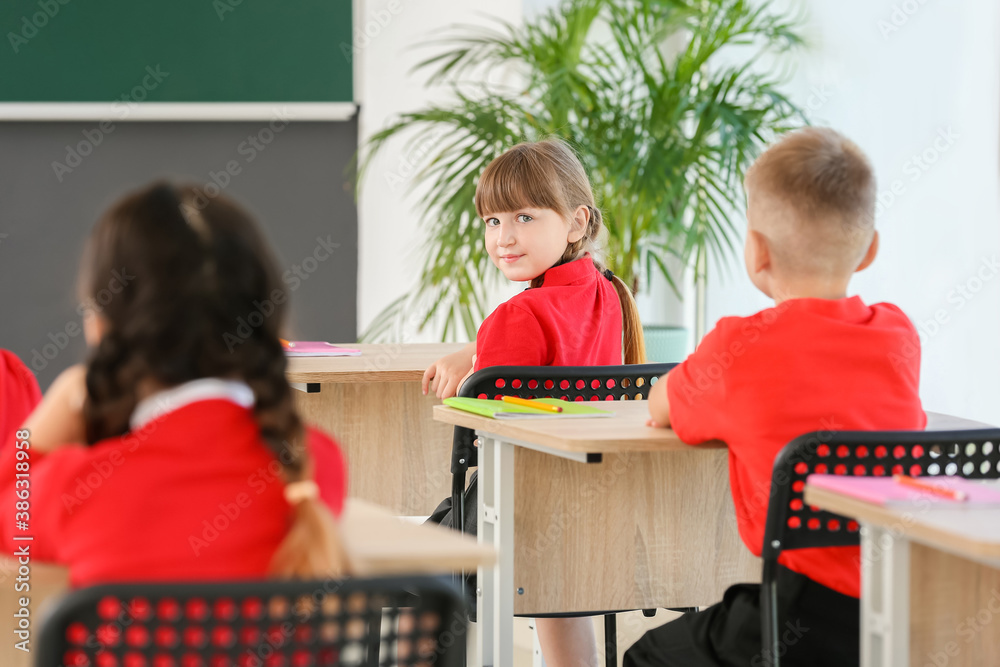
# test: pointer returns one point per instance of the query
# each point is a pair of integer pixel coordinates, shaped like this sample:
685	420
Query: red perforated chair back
393	621
791	524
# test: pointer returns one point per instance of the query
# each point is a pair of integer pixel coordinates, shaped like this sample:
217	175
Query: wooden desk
930	582
377	542
609	515
397	455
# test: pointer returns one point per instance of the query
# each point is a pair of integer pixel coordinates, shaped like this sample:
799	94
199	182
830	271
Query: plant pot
665	344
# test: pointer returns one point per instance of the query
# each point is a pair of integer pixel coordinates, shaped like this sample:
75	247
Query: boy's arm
659	404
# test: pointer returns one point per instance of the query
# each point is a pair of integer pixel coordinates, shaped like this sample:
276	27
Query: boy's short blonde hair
816	198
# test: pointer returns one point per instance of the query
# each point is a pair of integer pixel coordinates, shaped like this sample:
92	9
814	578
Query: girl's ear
578	225
94	327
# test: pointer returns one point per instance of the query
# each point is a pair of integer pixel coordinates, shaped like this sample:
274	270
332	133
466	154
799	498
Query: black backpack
443	515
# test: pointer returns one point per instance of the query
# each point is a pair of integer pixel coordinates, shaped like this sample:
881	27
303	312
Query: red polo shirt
19	394
573	319
192	495
805	365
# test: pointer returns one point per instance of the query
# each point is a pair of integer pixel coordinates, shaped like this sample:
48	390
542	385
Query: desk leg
885	598
495	603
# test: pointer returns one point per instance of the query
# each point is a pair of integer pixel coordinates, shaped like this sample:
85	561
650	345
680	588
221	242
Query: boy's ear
760	255
870	255
578	225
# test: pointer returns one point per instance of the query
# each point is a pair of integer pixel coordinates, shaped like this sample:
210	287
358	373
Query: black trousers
818	627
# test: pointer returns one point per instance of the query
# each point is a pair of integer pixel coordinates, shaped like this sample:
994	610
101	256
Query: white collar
202	389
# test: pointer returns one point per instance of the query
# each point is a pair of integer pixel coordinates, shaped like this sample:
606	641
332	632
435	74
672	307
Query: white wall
896	83
390	230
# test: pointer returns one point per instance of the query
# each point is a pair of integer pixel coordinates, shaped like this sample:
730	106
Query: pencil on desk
953	494
286	343
531	404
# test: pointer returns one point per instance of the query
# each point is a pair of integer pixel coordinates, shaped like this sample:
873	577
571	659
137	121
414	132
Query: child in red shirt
817	361
19	394
176	453
542	227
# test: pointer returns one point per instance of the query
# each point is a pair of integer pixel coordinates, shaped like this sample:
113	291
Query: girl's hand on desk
58	419
446	374
650	422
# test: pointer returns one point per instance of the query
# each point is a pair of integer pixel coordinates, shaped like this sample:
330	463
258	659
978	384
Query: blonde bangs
520	178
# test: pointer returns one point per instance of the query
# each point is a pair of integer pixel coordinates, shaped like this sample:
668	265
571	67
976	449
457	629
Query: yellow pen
531	404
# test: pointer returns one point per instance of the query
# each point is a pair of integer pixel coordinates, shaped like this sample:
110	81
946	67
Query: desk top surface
390	362
972	531
379	543
626	431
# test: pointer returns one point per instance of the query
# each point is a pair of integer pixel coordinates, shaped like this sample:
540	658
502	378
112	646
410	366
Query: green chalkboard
176	50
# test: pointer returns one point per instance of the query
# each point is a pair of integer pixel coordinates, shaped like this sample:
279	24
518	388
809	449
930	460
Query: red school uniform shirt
573	319
191	495
19	394
805	365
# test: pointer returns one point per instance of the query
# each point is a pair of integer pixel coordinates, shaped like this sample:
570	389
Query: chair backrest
391	621
791	524
570	383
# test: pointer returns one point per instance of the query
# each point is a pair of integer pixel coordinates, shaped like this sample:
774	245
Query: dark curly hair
196	265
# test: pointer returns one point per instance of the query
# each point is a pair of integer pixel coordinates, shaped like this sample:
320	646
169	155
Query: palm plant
666	110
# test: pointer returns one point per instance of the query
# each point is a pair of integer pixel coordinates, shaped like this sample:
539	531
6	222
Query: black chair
791	524
570	383
273	623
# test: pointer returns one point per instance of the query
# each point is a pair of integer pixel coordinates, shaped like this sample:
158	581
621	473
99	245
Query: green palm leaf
663	117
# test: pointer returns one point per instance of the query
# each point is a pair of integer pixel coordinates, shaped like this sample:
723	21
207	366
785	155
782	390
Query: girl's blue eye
492	222
527	218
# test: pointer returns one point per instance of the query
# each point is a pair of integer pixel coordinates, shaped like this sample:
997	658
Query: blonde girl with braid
542	227
175	452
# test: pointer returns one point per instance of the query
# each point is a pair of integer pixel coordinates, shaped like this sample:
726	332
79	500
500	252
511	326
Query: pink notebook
318	348
886	491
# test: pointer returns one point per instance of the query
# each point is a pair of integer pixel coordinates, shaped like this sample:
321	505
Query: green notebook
500	410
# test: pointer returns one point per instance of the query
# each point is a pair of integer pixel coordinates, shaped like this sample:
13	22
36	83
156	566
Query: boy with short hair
818	360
